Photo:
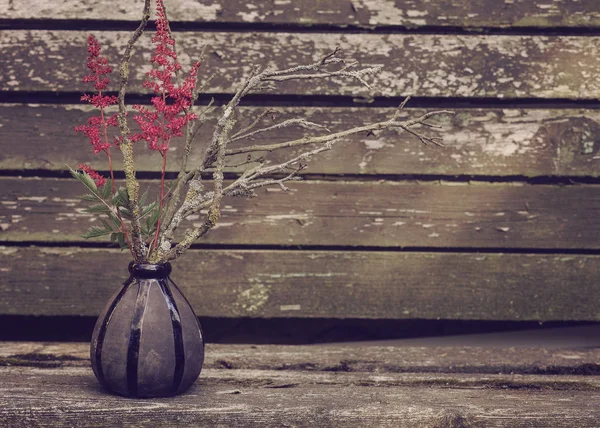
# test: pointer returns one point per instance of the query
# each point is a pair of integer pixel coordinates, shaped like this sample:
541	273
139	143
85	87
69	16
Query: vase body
148	341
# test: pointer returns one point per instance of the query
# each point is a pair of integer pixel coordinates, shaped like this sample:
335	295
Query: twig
286	123
252	125
215	205
197	200
321	139
133	187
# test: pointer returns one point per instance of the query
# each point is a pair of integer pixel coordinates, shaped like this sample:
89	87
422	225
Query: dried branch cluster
189	195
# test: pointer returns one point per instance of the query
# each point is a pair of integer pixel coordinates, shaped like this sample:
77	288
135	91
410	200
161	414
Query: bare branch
132	185
191	130
226	124
258	175
245	183
322	139
403	103
357	74
286	123
249	189
249	160
330	55
252	125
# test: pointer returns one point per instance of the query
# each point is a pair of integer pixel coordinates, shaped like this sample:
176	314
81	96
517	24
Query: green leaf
107	226
143	197
89	198
95	232
85	179
115	219
120	197
148	209
119	238
106	189
153	218
125	212
98	209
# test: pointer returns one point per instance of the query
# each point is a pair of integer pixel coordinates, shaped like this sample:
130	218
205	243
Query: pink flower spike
97	65
95	129
172	101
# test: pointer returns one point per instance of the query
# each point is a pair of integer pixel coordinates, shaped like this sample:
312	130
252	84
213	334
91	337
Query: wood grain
422	65
364	13
344	213
501	142
61	397
316	284
349	358
38	393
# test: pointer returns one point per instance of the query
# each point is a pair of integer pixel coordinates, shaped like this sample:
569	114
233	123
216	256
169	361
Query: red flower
100	101
98	179
95	129
97	65
169	116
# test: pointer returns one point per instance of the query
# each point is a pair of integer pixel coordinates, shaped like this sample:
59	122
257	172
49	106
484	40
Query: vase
148	341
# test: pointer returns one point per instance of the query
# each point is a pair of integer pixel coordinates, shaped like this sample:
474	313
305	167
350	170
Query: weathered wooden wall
502	224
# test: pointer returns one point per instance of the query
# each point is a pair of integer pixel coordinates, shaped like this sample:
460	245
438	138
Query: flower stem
162	197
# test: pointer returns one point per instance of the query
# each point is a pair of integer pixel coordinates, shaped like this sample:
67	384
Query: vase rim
150	269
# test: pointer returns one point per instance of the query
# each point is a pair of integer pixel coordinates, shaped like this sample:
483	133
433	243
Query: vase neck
148	270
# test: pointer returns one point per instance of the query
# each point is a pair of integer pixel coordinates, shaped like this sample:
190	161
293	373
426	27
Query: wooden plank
62	397
317	284
421	65
364	13
281	379
304	393
499	142
354	358
373	213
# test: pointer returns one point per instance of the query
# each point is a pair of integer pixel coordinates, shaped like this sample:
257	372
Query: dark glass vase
148	341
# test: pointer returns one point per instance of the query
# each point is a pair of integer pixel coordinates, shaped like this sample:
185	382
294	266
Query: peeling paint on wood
420	65
364	13
478	141
380	285
383	214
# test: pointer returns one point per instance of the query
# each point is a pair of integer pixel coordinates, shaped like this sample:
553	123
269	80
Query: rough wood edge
362	13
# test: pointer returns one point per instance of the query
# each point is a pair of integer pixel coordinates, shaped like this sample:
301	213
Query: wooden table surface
52	385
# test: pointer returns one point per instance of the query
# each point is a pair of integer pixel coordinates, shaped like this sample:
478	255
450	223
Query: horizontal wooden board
487	142
300	386
356	357
281	379
421	65
322	213
364	13
321	284
62	397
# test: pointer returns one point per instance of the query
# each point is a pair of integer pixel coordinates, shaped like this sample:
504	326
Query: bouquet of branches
147	229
